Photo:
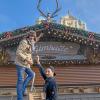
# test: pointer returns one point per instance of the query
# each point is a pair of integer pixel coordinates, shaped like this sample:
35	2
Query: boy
50	86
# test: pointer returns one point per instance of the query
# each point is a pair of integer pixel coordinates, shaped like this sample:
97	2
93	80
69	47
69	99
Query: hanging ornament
24	29
91	36
8	35
46	25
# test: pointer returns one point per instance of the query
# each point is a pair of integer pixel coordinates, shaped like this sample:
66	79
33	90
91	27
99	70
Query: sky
16	14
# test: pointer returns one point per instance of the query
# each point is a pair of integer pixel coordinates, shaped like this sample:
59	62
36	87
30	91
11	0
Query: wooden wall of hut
66	75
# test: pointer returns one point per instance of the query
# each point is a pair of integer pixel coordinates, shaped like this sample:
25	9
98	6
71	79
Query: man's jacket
24	53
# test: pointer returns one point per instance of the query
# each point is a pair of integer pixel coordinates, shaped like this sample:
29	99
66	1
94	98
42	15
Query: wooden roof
52	31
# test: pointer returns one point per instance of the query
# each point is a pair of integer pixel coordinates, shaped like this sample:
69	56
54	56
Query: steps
36	96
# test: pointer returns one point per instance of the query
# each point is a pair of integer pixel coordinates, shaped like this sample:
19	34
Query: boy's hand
37	59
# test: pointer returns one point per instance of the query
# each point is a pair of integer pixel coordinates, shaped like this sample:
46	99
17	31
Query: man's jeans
21	83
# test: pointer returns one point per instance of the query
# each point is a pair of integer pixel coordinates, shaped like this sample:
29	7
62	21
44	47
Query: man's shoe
25	94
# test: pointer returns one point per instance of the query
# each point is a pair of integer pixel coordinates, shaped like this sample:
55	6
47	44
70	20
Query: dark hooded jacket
50	86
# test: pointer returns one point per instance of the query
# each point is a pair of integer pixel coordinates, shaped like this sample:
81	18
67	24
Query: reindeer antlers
57	10
38	7
54	14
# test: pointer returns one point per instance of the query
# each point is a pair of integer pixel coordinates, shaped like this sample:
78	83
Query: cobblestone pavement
80	97
64	97
10	98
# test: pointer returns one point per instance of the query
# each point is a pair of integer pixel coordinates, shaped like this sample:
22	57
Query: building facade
71	21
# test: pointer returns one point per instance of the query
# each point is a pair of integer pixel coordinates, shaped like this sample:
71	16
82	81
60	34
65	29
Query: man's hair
31	34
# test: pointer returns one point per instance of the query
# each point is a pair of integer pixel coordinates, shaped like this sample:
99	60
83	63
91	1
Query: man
50	87
24	61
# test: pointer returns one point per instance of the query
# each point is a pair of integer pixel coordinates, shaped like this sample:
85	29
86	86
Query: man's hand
29	62
41	35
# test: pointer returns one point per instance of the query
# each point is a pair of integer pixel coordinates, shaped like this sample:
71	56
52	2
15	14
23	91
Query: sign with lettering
52	51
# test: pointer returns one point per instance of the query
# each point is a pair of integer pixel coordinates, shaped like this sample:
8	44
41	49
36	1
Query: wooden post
30	96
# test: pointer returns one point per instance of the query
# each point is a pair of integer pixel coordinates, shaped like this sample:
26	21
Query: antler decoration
38	7
54	14
48	16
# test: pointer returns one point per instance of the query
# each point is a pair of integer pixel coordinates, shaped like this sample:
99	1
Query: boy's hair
53	70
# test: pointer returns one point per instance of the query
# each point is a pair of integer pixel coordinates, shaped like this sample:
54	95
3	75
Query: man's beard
31	42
